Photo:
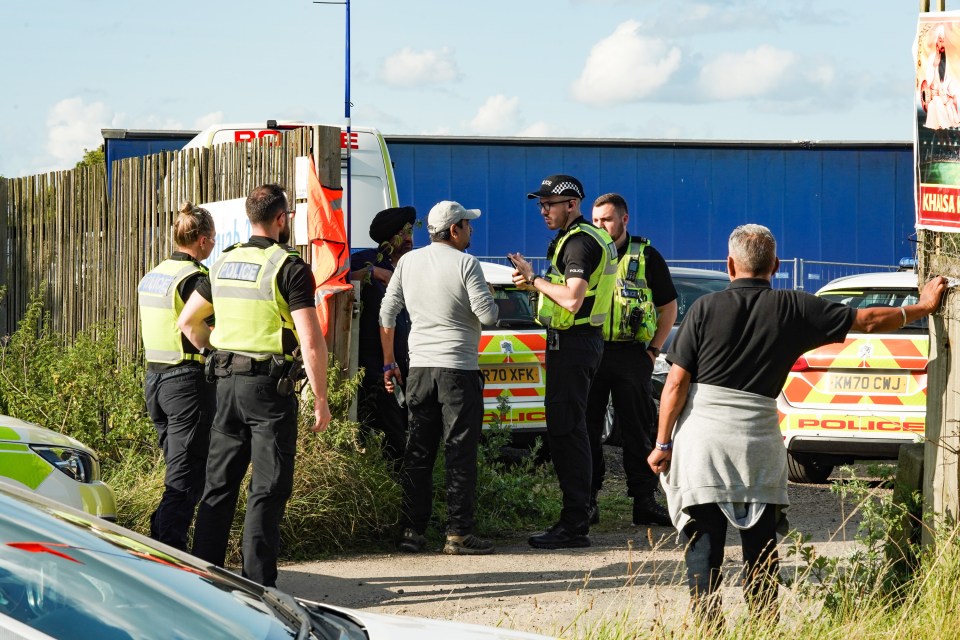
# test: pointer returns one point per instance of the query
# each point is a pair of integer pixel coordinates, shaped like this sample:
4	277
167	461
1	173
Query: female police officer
180	401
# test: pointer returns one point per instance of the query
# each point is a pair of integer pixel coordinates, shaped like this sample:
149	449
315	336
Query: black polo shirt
748	336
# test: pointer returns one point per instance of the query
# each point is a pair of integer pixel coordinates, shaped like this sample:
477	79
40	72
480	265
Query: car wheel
807	469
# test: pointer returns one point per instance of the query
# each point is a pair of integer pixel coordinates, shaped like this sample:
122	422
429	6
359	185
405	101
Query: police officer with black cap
379	411
263	296
574	301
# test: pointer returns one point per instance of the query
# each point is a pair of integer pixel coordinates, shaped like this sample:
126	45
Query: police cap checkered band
559	185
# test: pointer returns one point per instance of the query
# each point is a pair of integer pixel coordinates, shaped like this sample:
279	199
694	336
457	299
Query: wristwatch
654	350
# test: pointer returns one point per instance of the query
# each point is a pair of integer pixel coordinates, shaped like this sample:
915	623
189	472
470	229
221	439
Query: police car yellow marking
23	465
6	433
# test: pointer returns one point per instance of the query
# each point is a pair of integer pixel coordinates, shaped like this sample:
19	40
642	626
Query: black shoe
559	537
648	511
593	512
411	541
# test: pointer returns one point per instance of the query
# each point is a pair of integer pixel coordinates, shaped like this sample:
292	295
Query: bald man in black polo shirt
718	413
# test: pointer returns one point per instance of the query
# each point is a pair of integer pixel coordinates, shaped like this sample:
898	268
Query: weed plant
514	492
79	388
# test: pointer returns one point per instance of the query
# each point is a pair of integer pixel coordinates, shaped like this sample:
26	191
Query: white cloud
208	119
72	126
408	68
537	130
497	115
625	67
751	74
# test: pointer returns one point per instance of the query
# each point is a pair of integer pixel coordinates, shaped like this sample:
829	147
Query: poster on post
937	108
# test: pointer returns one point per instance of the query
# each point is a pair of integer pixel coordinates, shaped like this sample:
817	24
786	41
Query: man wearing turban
378	411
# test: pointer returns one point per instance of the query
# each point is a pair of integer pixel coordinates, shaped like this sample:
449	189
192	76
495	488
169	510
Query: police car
512	358
54	465
861	398
64	574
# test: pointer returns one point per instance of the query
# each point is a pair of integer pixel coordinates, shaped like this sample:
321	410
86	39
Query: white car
861	398
53	465
64	574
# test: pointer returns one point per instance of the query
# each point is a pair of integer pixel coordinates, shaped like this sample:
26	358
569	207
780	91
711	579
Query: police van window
514	307
868	299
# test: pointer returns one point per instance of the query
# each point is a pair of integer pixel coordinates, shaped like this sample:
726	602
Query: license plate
866	383
511	373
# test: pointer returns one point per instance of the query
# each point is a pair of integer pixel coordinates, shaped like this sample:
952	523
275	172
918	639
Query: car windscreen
689	289
872	298
515	307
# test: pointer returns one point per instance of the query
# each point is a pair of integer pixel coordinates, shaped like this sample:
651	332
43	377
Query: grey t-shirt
447	298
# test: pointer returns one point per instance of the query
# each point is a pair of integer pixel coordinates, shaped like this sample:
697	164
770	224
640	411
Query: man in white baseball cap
447	297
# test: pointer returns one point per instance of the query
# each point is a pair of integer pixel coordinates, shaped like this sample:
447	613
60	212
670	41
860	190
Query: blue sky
714	69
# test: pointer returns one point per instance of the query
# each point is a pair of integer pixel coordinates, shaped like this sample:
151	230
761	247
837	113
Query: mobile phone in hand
513	262
398	394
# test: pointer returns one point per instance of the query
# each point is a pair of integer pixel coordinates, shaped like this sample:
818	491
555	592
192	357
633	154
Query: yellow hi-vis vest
632	315
251	314
596	303
160	306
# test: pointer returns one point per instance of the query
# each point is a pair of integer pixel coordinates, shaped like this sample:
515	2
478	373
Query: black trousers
379	412
253	424
624	372
182	405
445	405
570	370
704	541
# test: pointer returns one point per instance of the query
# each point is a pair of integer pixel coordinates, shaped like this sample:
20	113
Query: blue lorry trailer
850	202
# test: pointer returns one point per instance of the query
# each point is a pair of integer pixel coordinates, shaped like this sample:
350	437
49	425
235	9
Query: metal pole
346	112
346	109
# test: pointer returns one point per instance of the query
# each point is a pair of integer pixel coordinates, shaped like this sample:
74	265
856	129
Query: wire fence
794	273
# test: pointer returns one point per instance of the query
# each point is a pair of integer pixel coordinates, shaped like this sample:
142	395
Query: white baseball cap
446	213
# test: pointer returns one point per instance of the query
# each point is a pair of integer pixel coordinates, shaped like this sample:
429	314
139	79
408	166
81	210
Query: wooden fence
89	249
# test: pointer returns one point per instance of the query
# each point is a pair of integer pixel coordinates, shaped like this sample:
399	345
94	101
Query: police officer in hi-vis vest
267	330
643	311
180	401
573	304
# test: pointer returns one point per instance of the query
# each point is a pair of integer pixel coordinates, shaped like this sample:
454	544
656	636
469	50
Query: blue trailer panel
842	202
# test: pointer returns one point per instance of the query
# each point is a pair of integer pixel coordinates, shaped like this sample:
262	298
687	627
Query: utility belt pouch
209	366
240	364
290	372
219	364
278	366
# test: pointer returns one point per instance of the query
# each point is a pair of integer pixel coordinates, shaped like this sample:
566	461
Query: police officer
573	305
263	296
180	401
643	311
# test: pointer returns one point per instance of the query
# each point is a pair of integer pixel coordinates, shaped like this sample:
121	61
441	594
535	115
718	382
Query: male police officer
643	312
263	296
179	399
574	302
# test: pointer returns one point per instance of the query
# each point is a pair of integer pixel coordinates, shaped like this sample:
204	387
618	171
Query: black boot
593	511
646	510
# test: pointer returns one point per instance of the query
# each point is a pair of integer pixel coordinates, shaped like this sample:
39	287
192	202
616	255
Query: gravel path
629	571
